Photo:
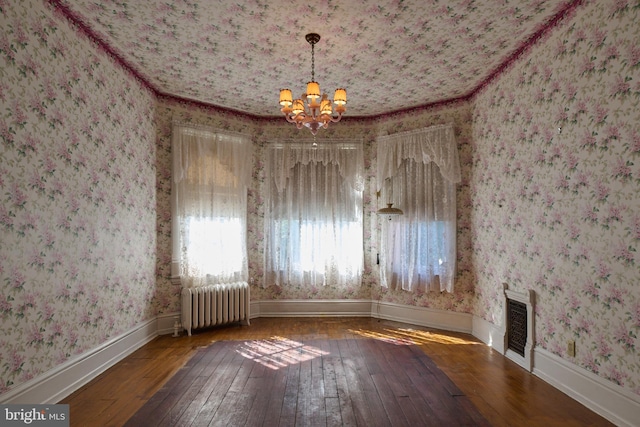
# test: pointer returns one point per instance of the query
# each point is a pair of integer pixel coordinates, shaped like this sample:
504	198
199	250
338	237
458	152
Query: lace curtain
417	172
313	215
211	174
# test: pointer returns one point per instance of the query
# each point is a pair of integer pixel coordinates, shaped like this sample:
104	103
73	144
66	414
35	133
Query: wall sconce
390	211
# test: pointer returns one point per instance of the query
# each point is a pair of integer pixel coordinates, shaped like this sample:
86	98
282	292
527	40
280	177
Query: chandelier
318	111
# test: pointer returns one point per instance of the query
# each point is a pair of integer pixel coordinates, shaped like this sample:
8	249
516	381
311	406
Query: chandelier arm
292	119
335	119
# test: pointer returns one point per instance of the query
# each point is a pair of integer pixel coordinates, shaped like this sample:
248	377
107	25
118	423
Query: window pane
214	245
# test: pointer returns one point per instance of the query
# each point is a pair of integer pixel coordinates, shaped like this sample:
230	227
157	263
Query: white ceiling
390	55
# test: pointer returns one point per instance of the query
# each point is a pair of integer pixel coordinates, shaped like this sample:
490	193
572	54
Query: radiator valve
176	328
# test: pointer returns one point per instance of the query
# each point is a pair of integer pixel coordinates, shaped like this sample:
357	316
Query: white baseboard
439	319
488	333
254	309
603	397
421	316
311	308
165	323
61	381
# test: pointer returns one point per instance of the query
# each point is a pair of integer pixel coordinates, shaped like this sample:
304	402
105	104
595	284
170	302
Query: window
313	224
417	172
211	172
203	237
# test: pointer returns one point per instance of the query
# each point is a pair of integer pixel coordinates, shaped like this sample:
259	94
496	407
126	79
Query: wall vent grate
516	326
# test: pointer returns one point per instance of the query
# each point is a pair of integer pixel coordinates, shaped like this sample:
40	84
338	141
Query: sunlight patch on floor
277	352
386	337
408	336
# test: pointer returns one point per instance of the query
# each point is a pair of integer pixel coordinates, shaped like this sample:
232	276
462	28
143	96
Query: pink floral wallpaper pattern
238	55
77	196
85	183
555	174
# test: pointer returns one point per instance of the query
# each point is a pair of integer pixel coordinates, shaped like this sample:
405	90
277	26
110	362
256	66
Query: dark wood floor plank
220	385
332	406
235	405
381	371
242	375
413	416
388	400
367	365
191	404
397	378
262	389
329	375
392	358
290	401
303	412
439	400
440	376
276	397
207	402
164	400
344	398
165	382
355	390
233	410
317	392
182	401
468	408
416	409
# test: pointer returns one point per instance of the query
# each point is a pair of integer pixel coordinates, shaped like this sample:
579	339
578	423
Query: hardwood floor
504	393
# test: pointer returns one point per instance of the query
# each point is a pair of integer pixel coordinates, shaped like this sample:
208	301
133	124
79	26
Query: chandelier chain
313	62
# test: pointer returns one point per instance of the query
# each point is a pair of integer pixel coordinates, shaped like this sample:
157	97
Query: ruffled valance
227	155
348	155
433	144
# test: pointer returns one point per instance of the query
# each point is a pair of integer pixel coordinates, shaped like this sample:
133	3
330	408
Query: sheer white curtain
418	172
211	174
313	215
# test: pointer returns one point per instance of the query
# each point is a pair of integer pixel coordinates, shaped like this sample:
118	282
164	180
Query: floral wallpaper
549	198
239	54
555	177
77	196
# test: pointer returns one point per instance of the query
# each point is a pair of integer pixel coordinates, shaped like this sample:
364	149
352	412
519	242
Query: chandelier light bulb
318	111
313	90
340	97
286	98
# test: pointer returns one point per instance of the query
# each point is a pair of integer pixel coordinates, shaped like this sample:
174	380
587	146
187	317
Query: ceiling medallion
317	112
